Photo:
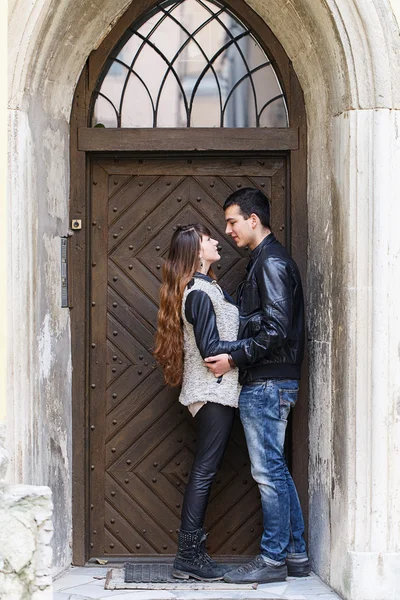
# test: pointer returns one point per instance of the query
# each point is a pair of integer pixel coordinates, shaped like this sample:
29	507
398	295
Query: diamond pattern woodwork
142	441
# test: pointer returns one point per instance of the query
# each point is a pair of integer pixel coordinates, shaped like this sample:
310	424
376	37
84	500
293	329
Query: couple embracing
226	356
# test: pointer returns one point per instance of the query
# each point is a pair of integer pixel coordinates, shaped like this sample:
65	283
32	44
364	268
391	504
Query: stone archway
341	54
122	427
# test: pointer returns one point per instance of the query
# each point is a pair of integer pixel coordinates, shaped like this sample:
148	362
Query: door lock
76	224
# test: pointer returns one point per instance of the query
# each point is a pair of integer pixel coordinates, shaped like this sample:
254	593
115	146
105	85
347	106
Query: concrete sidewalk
84	583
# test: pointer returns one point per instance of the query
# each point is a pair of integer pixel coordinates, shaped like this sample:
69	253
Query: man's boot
192	560
298	565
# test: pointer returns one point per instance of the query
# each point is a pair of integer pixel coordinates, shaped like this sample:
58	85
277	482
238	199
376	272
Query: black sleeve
276	316
199	311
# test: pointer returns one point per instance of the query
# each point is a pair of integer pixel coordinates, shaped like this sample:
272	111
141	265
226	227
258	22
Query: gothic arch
345	60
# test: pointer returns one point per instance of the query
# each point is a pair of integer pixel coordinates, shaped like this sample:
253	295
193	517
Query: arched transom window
190	63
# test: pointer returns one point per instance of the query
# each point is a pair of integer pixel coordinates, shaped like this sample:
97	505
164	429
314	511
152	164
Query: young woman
194	313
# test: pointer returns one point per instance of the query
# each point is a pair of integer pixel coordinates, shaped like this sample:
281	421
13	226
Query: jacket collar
202	276
257	250
265	242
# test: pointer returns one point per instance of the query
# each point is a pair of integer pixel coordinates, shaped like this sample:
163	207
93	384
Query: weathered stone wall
39	418
42	84
25	533
346	55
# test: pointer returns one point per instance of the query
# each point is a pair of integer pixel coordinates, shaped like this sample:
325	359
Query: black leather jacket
271	332
271	311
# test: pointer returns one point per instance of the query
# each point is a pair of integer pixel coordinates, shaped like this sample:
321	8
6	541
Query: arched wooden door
130	187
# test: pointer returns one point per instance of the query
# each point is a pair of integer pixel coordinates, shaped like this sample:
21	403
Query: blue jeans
264	409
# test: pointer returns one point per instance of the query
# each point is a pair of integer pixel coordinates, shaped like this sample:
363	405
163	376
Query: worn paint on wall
3	212
40	426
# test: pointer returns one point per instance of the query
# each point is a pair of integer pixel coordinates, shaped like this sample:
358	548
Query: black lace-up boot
192	559
207	557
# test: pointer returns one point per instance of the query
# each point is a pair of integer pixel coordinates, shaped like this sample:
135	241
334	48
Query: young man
269	361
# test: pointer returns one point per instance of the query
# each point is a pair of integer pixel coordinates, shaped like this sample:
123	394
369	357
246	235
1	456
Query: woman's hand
219	364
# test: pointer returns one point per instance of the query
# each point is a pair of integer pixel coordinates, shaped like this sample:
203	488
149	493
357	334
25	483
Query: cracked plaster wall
346	55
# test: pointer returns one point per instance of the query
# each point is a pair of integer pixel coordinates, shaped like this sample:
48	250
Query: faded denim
264	409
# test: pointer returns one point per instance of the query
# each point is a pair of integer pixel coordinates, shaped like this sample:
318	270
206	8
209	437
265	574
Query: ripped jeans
264	409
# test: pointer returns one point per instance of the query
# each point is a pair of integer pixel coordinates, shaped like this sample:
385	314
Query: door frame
85	141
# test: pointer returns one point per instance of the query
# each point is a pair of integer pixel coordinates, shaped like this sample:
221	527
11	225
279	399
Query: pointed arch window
189	63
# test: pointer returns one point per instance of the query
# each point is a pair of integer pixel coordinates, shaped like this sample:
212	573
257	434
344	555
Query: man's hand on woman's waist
219	364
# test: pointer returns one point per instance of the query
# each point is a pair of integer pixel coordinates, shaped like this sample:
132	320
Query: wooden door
141	440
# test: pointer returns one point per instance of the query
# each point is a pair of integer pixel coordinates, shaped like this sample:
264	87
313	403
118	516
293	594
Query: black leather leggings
214	423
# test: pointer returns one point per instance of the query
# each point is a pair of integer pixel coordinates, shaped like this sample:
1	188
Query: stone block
25	534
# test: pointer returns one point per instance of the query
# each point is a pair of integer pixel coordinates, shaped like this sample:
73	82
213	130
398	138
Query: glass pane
206	111
231	68
114	82
274	115
211	38
153	76
151	23
191	14
130	49
266	84
189	66
136	110
210	6
255	56
232	24
168	38
236	112
222	61
104	114
171	110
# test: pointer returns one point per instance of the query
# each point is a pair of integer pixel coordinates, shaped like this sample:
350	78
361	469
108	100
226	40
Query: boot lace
256	563
202	551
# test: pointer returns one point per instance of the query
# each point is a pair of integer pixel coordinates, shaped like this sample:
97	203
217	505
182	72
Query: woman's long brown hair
178	270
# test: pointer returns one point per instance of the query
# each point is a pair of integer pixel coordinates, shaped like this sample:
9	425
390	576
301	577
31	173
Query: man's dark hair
251	200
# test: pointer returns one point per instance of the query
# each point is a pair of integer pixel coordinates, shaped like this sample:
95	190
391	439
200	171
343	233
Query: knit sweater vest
199	383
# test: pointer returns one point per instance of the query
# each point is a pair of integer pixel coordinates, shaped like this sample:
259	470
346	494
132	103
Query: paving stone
91	590
71	581
145	595
87	583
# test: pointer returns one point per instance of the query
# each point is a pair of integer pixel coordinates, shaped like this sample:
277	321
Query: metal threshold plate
159	577
148	573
